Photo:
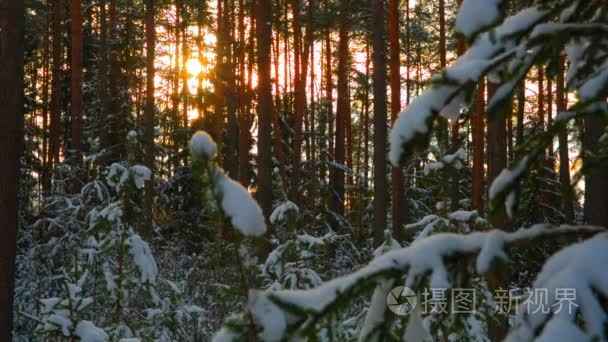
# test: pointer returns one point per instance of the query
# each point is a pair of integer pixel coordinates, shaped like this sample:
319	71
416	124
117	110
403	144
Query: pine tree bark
244	120
521	106
231	142
11	144
328	83
541	105
442	124
455	128
116	124
564	158
477	132
497	154
366	112
56	94
379	83
596	183
46	172
300	72
76	93
148	122
336	203
399	204
102	85
265	105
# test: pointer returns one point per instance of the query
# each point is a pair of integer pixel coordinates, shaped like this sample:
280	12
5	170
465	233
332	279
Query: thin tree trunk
399	205
299	81
328	84
442	124
244	125
379	83
148	138
408	59
116	124
265	105
455	128
497	154
550	151
231	150
102	86
596	182
521	105
11	144
477	132
313	130
46	172
56	94
76	92
541	104
336	203
366	117
564	159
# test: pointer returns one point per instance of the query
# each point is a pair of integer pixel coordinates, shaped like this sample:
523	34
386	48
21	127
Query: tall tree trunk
521	106
313	131
265	105
102	85
11	144
379	83
244	121
148	138
56	94
550	151
299	80
408	59
477	133
442	124
564	158
46	172
497	154
329	88
116	122
596	182
366	116
336	203
342	112
76	92
231	150
399	205
460	50
541	104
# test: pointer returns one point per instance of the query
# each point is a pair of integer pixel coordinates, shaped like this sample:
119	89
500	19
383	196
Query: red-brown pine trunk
399	205
379	83
11	135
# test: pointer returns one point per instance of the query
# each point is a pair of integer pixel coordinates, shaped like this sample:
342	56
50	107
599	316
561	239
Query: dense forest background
126	216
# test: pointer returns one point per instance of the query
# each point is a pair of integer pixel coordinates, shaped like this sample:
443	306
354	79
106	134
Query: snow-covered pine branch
505	53
234	200
285	314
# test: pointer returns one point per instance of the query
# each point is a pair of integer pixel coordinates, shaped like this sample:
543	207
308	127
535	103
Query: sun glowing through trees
194	67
